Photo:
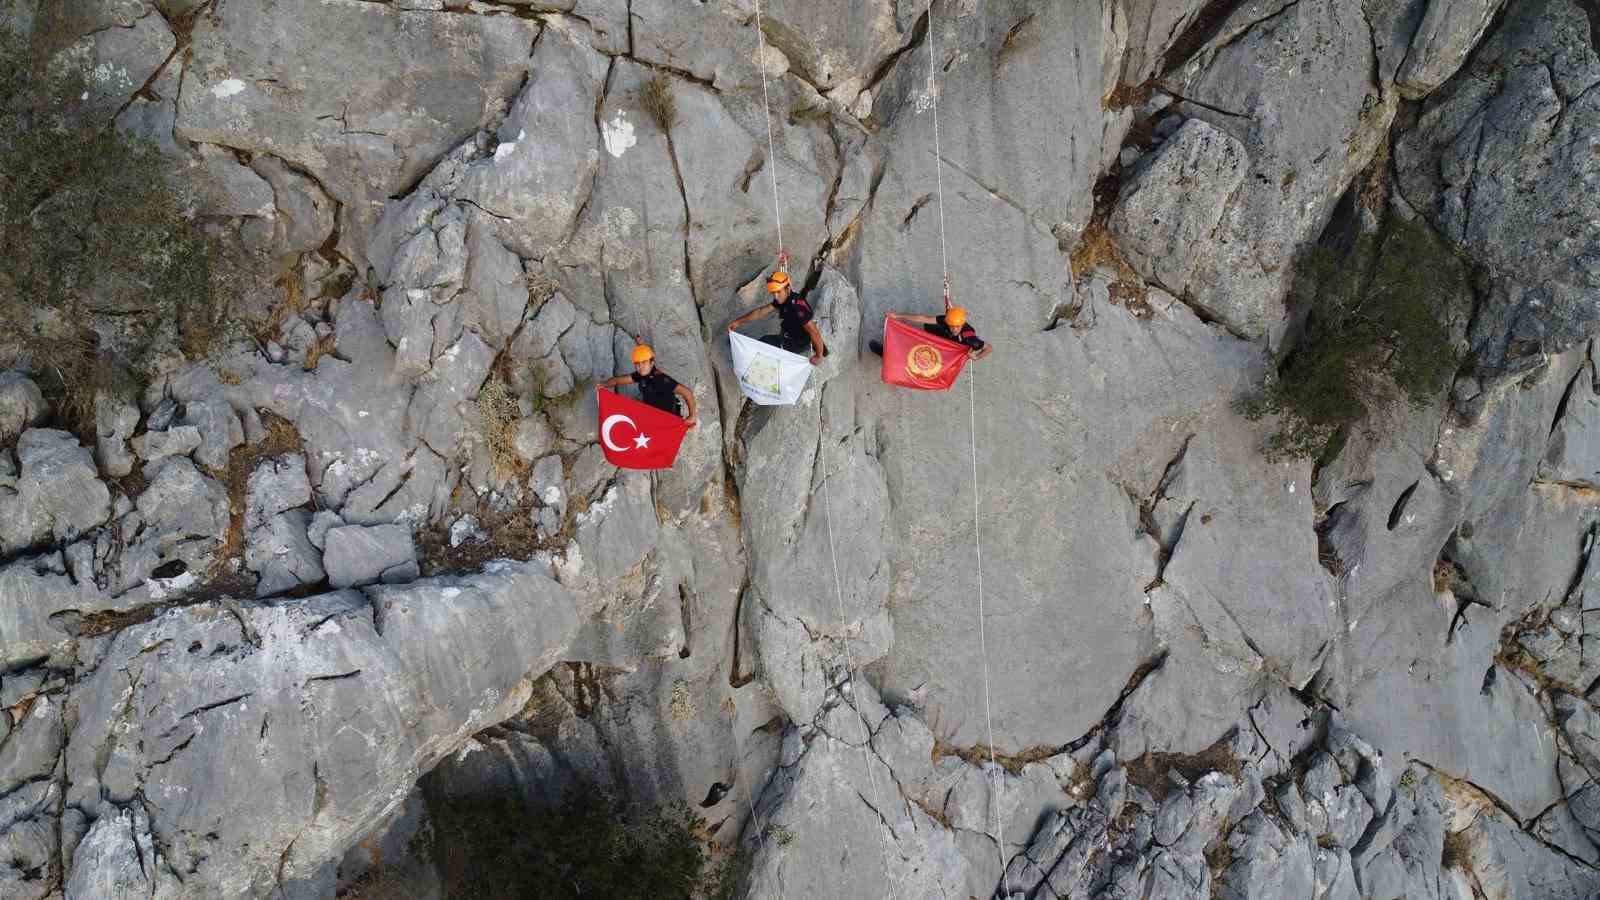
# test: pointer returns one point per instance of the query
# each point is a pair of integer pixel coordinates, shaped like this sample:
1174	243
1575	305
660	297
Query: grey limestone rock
281	554
154	446
220	431
227	187
1175	200
115	419
57	495
362	130
303	214
362	554
1293	174
1448	31
1499	163
276	485
1573	455
22	405
206	683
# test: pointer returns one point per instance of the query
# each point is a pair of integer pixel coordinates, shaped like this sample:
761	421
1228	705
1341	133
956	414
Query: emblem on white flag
768	375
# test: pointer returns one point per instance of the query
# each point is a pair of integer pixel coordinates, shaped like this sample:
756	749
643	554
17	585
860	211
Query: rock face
1500	160
211	680
1065	630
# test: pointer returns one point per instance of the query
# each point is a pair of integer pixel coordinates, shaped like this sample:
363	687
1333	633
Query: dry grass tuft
1124	95
499	413
980	755
655	98
1096	250
292	303
1150	770
1457	851
281	438
324	346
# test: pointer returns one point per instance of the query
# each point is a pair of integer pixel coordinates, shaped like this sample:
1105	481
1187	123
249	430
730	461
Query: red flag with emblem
914	358
636	435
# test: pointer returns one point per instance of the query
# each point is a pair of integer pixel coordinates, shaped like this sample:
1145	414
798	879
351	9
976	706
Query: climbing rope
938	159
772	155
997	781
838	584
844	642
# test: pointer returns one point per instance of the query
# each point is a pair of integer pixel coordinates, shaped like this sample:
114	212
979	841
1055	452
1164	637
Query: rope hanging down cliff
972	397
822	444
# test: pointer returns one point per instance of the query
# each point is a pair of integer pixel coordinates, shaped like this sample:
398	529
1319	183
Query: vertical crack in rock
735	679
1166	539
919	33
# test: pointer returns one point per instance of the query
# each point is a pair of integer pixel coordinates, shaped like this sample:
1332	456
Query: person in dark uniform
796	332
952	326
656	387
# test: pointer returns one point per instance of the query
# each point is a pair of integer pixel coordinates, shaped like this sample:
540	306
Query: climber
796	332
952	326
656	387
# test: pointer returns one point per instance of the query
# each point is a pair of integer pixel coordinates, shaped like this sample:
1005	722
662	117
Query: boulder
22	405
58	494
154	446
115	419
281	554
362	554
220	431
276	485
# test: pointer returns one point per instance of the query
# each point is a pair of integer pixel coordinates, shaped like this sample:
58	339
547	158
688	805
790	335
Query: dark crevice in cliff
919	33
1114	713
1206	25
1398	511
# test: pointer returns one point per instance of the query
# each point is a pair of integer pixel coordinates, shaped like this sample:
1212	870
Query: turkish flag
636	435
914	358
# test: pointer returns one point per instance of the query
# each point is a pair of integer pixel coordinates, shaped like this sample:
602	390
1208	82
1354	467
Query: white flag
769	375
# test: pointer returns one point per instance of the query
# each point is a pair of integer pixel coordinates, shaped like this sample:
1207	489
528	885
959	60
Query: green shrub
91	232
588	847
1373	337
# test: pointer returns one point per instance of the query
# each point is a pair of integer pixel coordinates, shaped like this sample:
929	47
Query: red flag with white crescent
914	358
636	435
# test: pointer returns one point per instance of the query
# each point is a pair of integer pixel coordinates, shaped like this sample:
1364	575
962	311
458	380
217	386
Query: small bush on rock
94	240
1373	337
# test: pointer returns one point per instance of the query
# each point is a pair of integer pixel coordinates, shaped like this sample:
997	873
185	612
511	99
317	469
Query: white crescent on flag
605	432
768	375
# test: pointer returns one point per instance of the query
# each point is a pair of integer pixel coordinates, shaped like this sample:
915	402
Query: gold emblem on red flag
924	361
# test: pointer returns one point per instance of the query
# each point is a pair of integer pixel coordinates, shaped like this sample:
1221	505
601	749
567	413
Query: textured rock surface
362	554
1501	160
208	683
1183	669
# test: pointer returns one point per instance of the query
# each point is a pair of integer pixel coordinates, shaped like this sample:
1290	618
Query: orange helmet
778	281
955	317
643	353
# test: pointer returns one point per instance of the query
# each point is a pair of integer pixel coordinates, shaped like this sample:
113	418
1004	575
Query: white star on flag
641	441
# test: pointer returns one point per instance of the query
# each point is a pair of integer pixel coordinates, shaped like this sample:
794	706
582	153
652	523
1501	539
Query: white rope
983	643
766	105
849	661
938	158
838	584
972	395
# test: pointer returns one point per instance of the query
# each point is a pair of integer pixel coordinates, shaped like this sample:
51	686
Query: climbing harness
972	396
838	584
